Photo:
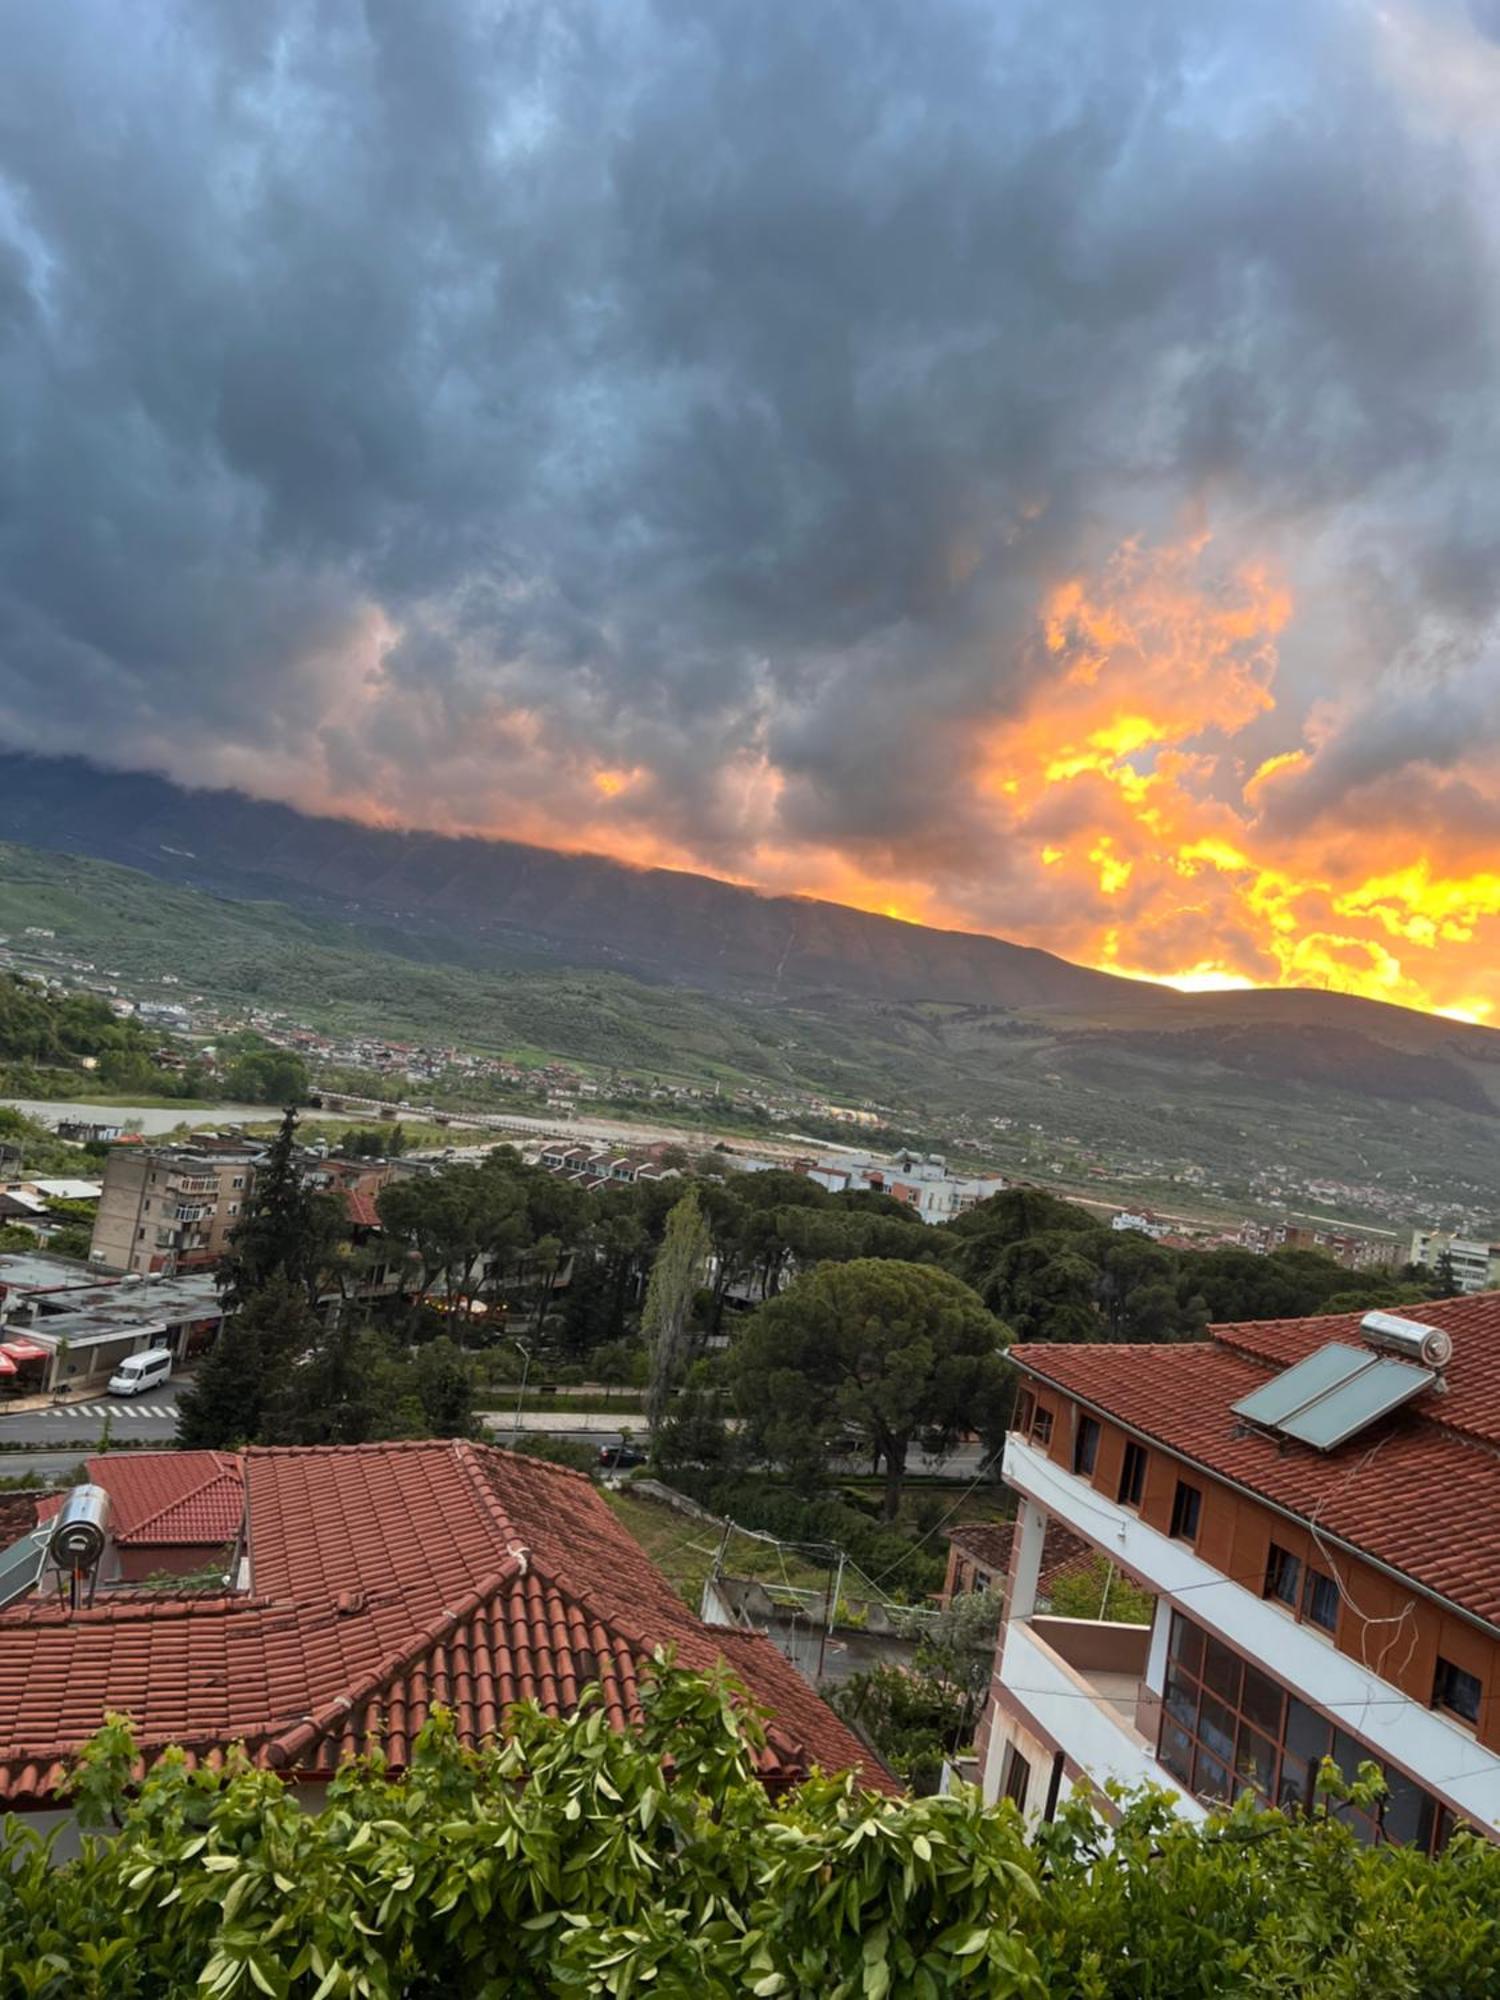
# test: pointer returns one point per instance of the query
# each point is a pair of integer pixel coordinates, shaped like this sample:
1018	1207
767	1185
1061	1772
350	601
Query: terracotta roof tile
1395	1491
385	1578
178	1499
363	1213
989	1543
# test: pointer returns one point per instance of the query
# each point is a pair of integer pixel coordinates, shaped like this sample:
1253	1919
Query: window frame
1444	1674
1311	1579
1087	1434
1283	1568
1137	1460
1205	1706
1040	1433
1010	1789
1182	1506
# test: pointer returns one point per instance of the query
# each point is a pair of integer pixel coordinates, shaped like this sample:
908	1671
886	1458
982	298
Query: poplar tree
675	1278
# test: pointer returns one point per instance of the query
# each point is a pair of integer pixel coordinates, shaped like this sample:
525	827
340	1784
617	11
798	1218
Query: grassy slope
947	1069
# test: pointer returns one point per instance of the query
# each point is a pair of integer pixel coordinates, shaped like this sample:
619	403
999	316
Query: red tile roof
989	1544
384	1578
1418	1491
169	1499
360	1203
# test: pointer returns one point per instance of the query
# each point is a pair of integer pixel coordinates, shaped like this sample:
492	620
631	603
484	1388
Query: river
150	1119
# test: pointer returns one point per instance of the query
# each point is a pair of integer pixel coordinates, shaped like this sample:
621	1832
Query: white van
139	1372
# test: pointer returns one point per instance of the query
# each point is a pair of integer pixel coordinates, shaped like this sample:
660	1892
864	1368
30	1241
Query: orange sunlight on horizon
1143	812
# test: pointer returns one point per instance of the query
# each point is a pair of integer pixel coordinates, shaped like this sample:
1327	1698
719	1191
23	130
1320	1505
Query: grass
683	1549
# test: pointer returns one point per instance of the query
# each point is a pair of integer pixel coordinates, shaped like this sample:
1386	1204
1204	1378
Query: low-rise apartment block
1315	1506
1473	1260
165	1209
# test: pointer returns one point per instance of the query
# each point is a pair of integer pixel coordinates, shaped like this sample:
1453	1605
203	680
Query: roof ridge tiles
288	1746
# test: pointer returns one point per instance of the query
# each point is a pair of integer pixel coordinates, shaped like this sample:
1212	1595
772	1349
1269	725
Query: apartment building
165	1209
1315	1505
922	1184
1474	1260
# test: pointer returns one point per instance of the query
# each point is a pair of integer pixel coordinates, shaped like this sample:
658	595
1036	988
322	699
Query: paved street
153	1417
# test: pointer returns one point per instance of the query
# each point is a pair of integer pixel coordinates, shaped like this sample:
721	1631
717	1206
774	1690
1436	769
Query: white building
1474	1261
923	1184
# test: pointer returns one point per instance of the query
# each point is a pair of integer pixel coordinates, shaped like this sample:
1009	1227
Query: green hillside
1248	1114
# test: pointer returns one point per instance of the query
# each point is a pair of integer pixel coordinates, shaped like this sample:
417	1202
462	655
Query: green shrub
576	1859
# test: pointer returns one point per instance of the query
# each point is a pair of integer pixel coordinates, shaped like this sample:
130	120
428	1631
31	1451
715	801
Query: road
153	1418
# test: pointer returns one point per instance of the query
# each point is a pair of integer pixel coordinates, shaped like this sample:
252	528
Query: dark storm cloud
461	399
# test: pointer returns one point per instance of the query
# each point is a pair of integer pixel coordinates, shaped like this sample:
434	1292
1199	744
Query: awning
24	1350
7	1366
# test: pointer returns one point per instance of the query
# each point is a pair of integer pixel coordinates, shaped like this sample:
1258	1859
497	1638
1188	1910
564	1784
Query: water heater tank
1428	1346
81	1529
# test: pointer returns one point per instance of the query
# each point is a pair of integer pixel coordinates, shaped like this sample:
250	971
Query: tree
268	1076
280	1234
1445	1277
245	1374
1099	1590
575	1858
898	1351
675	1278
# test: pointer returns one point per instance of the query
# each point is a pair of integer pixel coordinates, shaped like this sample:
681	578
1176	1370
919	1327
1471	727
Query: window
1456	1692
1133	1475
1017	1779
1187	1505
1085	1447
1283	1577
1025	1412
1320	1600
1041	1428
1226	1728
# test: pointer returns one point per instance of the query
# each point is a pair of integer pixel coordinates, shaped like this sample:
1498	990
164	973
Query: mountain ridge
507	903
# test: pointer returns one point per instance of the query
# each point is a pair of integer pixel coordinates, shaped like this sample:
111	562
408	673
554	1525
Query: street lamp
515	1429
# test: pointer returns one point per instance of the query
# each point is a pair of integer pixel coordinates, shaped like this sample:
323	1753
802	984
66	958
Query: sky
1031	468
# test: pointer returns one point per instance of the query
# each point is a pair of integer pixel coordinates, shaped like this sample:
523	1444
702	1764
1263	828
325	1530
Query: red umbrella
24	1350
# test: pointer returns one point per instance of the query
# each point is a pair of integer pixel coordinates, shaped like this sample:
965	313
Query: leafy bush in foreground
577	1860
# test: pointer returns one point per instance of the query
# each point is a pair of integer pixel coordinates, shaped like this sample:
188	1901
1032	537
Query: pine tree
675	1278
245	1372
279	1234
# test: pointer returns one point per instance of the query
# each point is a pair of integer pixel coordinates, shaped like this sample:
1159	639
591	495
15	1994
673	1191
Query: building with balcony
1474	1261
1315	1507
165	1209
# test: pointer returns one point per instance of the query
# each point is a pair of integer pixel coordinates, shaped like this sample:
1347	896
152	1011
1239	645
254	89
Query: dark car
620	1457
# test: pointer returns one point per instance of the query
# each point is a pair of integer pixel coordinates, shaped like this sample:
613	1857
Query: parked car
620	1457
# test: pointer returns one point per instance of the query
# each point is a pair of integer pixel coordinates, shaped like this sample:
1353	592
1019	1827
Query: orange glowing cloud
1128	806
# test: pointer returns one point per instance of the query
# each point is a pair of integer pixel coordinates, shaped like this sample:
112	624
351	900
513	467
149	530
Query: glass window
1025	1411
1041	1428
1187	1504
1255	1760
1283	1577
1211	1777
1262	1702
1017	1778
1176	1752
1320	1601
1222	1668
1187	1644
1133	1475
1306	1731
1181	1696
1294	1788
1085	1447
1457	1692
1216	1726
